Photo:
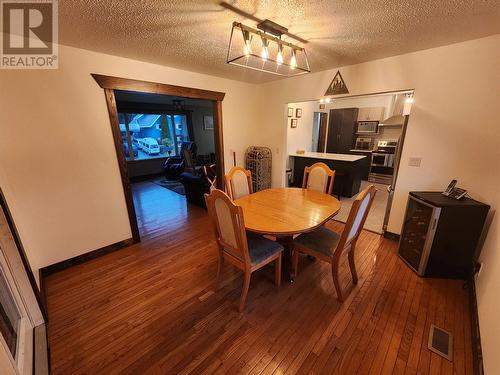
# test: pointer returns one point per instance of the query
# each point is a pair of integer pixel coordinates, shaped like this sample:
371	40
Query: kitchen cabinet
348	170
341	130
371	114
365	168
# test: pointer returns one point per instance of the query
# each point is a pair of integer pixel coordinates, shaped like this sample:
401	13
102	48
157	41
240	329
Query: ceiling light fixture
276	55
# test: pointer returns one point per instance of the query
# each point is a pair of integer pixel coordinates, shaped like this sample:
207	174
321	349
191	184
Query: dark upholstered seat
260	248
322	240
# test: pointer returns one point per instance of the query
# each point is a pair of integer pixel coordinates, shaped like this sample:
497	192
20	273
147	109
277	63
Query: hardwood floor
150	308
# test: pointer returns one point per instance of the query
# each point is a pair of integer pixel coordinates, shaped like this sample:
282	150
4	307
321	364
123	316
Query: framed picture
321	106
290	112
298	112
293	123
208	122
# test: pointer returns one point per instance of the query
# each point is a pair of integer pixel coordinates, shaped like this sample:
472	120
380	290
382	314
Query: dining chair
328	245
238	182
318	177
245	250
210	173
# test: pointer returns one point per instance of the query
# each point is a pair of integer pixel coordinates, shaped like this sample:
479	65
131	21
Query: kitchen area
359	137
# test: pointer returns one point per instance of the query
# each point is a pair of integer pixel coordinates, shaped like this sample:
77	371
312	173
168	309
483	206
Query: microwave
367	127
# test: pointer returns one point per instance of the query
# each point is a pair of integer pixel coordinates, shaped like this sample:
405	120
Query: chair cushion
260	248
321	240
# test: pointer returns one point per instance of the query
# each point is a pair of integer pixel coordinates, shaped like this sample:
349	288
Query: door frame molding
110	83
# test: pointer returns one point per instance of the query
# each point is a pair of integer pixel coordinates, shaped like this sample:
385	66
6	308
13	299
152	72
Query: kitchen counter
348	168
329	156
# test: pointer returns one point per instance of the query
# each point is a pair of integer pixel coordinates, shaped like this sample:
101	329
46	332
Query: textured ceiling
194	35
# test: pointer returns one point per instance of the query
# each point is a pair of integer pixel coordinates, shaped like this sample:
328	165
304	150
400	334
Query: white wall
487	286
301	136
454	126
58	166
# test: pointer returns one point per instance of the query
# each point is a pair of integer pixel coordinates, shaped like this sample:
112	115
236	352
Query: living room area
170	155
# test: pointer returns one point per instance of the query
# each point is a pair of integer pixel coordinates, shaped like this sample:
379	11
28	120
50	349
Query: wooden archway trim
109	84
117	83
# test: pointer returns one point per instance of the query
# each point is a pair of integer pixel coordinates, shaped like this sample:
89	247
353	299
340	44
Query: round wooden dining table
285	212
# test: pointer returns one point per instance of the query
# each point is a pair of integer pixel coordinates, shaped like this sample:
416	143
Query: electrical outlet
414	162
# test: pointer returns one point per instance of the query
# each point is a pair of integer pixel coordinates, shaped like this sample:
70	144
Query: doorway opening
361	137
168	142
169	147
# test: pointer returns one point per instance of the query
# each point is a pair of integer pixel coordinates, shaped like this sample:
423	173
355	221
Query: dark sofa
195	185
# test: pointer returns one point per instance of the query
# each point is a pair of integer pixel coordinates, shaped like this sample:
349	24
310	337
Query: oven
382	159
382	162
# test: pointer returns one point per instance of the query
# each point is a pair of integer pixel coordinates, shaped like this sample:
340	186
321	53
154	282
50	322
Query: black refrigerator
440	235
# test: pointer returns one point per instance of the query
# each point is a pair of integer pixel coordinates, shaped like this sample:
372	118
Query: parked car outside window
150	146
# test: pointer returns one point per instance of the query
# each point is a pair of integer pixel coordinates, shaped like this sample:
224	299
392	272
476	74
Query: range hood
395	112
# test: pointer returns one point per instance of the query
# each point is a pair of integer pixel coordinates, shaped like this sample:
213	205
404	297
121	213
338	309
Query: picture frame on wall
208	122
298	112
290	112
293	123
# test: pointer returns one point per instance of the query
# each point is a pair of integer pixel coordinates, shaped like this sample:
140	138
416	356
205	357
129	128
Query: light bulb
247	50
328	100
322	100
264	54
293	60
279	58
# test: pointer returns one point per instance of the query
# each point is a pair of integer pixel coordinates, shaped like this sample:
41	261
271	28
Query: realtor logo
29	34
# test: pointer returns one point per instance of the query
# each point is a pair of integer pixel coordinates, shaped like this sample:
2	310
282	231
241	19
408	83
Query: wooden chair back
356	219
238	182
318	177
210	173
187	156
229	227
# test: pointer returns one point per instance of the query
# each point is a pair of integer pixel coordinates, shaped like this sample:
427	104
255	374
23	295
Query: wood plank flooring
151	309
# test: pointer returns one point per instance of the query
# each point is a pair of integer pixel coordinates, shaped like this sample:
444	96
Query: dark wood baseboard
56	267
43	295
391	236
477	352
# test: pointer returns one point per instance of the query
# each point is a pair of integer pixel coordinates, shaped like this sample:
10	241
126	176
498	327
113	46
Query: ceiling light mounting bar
265	35
250	16
273	28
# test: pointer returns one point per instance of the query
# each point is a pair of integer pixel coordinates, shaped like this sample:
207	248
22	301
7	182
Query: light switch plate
414	162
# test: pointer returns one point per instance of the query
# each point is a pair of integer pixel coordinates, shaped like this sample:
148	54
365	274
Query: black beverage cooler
440	234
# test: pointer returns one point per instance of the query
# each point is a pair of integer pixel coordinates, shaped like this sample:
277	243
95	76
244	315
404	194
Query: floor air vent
441	342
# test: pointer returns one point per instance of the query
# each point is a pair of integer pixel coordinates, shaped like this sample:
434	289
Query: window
10	317
147	135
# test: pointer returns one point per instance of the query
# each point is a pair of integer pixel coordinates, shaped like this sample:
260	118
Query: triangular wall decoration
337	86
